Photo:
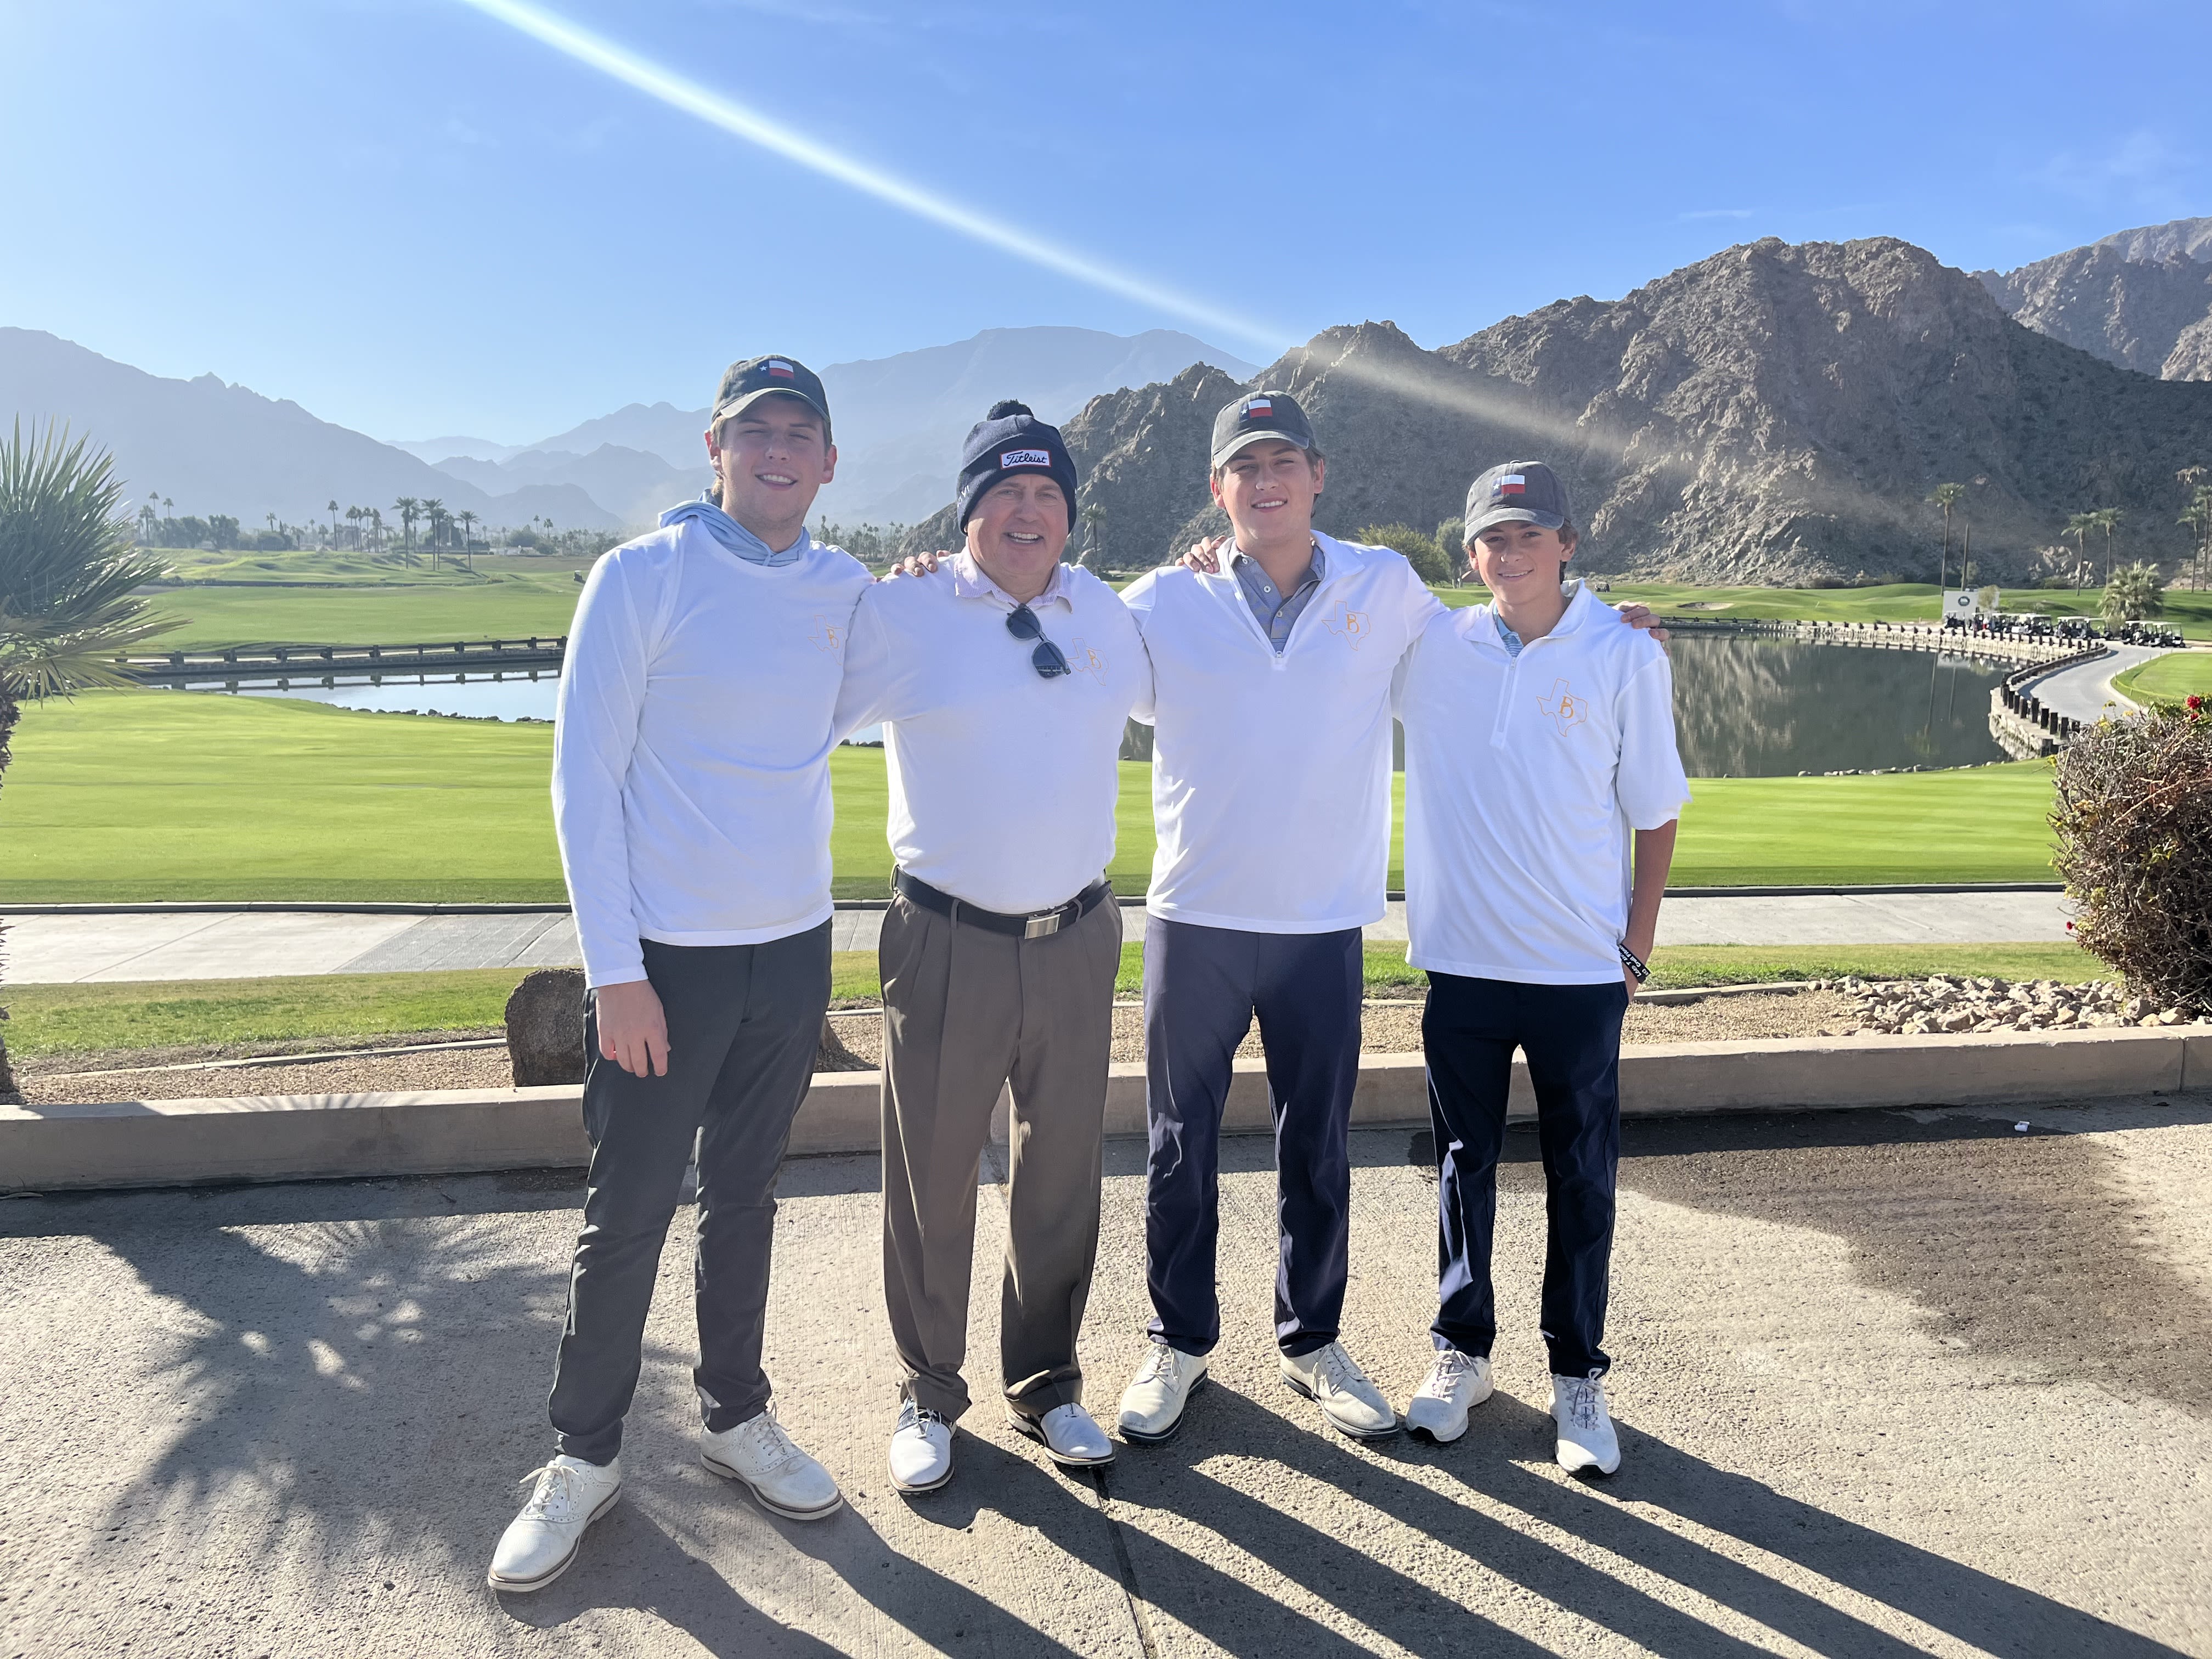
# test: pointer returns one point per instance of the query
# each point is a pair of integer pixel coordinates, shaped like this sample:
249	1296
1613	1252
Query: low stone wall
306	1137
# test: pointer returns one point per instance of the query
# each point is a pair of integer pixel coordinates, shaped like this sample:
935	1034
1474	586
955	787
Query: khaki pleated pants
967	1012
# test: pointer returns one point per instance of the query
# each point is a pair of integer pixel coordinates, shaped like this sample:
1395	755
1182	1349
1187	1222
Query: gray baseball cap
1258	415
1519	492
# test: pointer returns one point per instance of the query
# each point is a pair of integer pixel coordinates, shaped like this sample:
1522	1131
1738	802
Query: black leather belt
1038	924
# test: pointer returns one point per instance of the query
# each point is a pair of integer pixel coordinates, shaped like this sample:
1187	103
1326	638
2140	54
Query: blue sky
415	219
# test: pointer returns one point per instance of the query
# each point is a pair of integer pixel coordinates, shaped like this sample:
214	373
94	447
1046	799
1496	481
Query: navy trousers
1571	1035
744	1024
1202	988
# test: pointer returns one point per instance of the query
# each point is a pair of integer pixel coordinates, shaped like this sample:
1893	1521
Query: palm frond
68	569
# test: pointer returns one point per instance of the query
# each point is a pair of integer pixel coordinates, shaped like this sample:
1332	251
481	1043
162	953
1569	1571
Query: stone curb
309	1137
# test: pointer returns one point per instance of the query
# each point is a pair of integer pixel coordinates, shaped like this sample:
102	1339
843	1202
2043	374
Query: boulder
545	1028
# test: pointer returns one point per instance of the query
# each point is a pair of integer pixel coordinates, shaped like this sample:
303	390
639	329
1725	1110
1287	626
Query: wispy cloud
740	121
1717	213
2140	169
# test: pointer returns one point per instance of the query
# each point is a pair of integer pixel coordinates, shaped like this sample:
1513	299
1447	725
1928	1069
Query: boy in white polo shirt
1539	741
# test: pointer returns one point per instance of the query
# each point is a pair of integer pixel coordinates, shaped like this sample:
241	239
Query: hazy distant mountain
216	448
1774	414
2142	299
632	485
898	422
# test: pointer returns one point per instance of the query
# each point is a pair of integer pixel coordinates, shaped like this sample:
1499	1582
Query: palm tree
2192	478
68	575
409	510
434	511
2078	526
1947	496
332	509
468	522
2108	519
2132	593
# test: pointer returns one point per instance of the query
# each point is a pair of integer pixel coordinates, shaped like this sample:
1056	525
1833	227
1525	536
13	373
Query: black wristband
1634	963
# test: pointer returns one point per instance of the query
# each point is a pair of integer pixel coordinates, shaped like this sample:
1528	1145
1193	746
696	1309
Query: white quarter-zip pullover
1525	775
1270	773
691	747
1003	783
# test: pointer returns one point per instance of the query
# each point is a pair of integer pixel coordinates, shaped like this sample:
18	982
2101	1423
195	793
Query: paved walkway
1889	1383
248	944
2084	692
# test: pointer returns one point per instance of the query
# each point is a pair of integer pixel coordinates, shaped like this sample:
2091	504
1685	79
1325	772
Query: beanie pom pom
1006	406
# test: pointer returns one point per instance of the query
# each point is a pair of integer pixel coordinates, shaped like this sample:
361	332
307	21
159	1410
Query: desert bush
1421	551
2134	818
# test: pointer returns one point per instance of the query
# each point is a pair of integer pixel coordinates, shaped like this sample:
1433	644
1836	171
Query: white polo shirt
691	748
1003	783
1270	772
1524	776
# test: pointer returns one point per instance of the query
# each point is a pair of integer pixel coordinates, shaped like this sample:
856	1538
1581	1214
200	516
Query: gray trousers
967	1012
744	1023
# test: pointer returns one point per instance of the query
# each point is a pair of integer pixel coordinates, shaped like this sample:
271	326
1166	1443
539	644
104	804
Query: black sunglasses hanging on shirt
1046	660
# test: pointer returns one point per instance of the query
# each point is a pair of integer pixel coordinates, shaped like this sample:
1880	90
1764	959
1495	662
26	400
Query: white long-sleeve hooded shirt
691	748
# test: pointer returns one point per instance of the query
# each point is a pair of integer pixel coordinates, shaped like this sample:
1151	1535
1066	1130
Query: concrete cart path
244	944
1889	1383
2084	692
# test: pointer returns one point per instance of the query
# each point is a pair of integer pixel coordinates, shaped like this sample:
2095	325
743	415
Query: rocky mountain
633	486
213	448
1774	414
2142	299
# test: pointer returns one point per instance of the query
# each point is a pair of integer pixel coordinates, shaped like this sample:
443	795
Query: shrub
2134	818
1421	551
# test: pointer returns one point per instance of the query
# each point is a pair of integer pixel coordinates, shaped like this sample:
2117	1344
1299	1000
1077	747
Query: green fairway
357	1010
121	796
2189	610
2169	679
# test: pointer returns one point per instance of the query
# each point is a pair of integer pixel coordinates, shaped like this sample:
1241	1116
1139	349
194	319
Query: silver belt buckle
1042	927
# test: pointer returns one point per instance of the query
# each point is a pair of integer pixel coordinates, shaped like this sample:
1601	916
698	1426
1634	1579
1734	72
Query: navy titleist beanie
1011	439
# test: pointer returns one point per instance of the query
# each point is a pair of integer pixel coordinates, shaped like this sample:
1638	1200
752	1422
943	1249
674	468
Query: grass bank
355	1010
127	796
2172	678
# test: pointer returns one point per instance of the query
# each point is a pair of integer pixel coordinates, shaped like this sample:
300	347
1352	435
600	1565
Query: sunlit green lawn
180	795
2172	678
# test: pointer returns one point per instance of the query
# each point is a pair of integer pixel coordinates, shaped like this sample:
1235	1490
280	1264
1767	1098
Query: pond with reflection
1747	705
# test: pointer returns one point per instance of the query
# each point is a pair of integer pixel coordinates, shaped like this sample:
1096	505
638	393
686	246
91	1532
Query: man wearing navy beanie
1006	443
1004	680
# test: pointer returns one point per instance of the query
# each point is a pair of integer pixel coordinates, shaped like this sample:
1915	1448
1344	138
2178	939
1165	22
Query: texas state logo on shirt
1564	707
1349	625
1082	660
827	636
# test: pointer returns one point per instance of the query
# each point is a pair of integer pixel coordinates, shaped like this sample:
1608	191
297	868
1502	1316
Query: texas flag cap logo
780	370
1513	483
1259	409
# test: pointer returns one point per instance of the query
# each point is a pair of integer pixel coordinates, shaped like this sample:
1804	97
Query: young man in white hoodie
1542	786
691	798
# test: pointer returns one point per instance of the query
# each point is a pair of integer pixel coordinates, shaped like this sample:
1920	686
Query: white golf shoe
922	1449
786	1480
1070	1435
540	1543
1152	1405
1456	1385
1587	1441
1350	1403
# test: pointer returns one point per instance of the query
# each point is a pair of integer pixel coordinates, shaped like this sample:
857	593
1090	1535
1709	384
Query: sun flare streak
733	117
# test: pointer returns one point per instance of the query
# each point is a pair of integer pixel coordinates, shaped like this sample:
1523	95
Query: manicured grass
2186	609
120	796
517	606
2169	679
355	1010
